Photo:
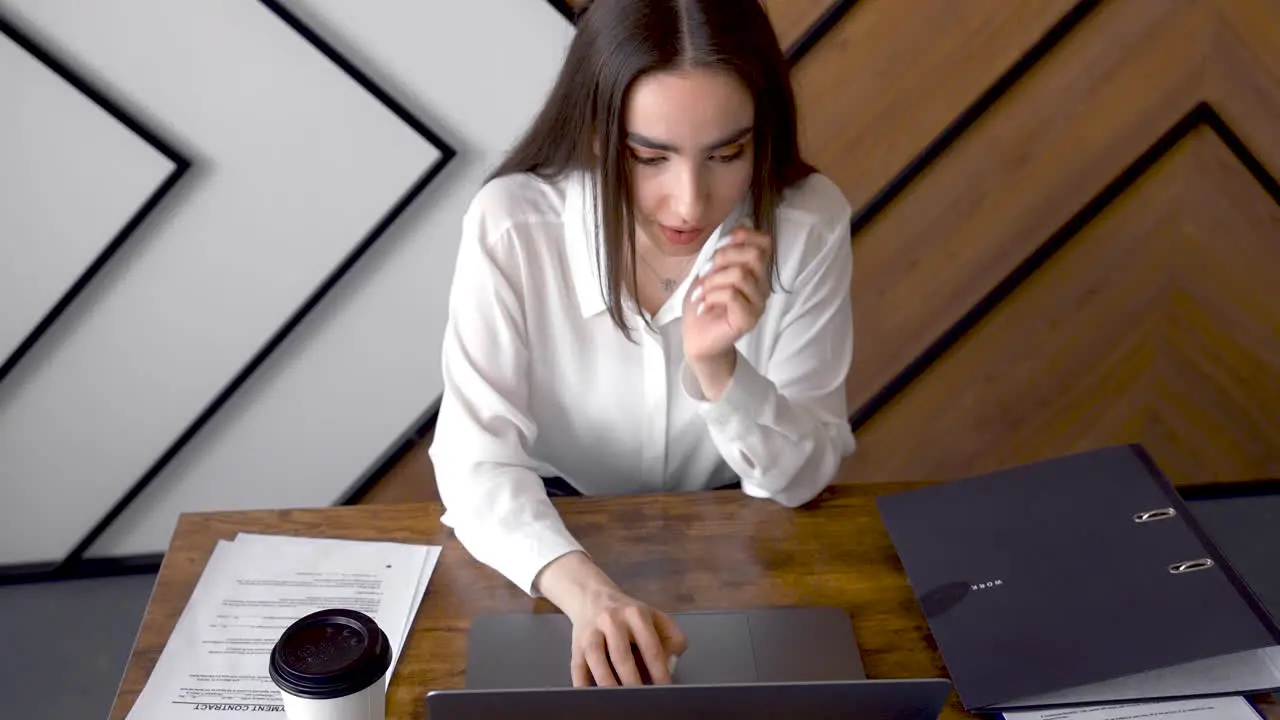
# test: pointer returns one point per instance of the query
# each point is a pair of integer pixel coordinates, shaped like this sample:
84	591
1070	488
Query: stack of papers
1232	707
252	589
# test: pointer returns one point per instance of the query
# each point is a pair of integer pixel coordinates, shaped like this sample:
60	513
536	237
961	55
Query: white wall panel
72	178
294	163
365	366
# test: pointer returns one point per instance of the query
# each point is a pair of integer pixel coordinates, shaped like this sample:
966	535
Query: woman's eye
648	159
730	156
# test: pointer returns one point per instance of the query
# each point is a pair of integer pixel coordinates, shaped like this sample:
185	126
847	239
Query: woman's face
689	137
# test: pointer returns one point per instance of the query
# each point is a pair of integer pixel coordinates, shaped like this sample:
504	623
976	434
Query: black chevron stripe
447	153
180	166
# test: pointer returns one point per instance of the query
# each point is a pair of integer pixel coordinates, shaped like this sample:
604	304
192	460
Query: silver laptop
768	662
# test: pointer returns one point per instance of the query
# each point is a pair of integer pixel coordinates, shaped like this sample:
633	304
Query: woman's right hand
607	623
620	640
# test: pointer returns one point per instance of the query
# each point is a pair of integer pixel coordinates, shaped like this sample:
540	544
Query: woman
616	326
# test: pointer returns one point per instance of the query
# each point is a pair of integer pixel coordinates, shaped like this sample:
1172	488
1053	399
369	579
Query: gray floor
67	644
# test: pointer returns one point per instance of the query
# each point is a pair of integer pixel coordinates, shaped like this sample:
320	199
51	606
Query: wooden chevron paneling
792	17
1158	323
894	73
1244	72
411	479
1110	89
1107	92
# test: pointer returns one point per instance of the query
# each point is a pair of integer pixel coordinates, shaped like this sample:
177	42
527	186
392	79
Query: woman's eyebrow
650	143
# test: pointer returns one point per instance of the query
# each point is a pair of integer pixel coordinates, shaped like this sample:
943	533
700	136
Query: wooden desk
678	552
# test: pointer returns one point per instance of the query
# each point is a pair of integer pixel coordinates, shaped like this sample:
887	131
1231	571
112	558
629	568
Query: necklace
668	284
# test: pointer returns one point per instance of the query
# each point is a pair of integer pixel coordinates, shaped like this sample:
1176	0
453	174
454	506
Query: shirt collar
584	248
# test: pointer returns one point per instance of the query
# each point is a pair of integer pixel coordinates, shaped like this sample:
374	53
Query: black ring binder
1102	631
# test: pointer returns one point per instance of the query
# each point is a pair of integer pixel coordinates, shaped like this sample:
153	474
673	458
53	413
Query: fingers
618	635
743	246
673	640
730	304
754	257
749	236
740	265
578	668
653	652
750	261
620	641
736	277
608	649
597	659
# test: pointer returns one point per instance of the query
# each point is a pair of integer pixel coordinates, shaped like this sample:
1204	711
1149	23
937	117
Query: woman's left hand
725	305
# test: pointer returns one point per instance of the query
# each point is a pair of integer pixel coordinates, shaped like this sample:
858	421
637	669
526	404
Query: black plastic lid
330	654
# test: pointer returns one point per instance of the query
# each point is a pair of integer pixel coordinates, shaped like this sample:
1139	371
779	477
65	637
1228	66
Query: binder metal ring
1190	566
1151	515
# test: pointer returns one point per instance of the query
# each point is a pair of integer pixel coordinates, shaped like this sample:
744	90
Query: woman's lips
681	237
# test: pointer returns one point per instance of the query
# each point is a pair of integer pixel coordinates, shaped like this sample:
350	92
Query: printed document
1222	708
215	663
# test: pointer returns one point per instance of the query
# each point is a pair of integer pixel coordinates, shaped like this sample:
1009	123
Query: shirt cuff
517	556
541	557
748	395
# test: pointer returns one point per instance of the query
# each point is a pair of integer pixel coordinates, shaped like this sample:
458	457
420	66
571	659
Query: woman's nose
689	196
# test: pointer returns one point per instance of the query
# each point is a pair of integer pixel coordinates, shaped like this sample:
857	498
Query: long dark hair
617	42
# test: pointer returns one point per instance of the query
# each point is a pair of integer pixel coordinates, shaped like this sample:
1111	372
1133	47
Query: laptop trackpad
719	649
533	651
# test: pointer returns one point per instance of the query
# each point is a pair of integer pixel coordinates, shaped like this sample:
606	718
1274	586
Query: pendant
669	286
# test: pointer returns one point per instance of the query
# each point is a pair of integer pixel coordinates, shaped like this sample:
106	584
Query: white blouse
539	382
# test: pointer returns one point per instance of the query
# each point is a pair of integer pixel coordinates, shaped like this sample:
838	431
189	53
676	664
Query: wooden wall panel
894	73
1110	90
1105	94
792	17
1244	73
1157	323
411	479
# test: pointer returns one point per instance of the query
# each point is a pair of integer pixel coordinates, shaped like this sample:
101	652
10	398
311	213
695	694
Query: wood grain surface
1013	179
791	18
1101	98
411	479
1158	324
680	552
894	73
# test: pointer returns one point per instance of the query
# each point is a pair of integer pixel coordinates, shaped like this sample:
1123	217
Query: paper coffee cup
332	665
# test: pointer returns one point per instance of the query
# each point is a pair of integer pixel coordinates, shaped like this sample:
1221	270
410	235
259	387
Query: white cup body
368	704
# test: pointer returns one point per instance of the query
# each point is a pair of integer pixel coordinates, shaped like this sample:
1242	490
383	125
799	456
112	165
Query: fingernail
697	293
700	307
671	665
